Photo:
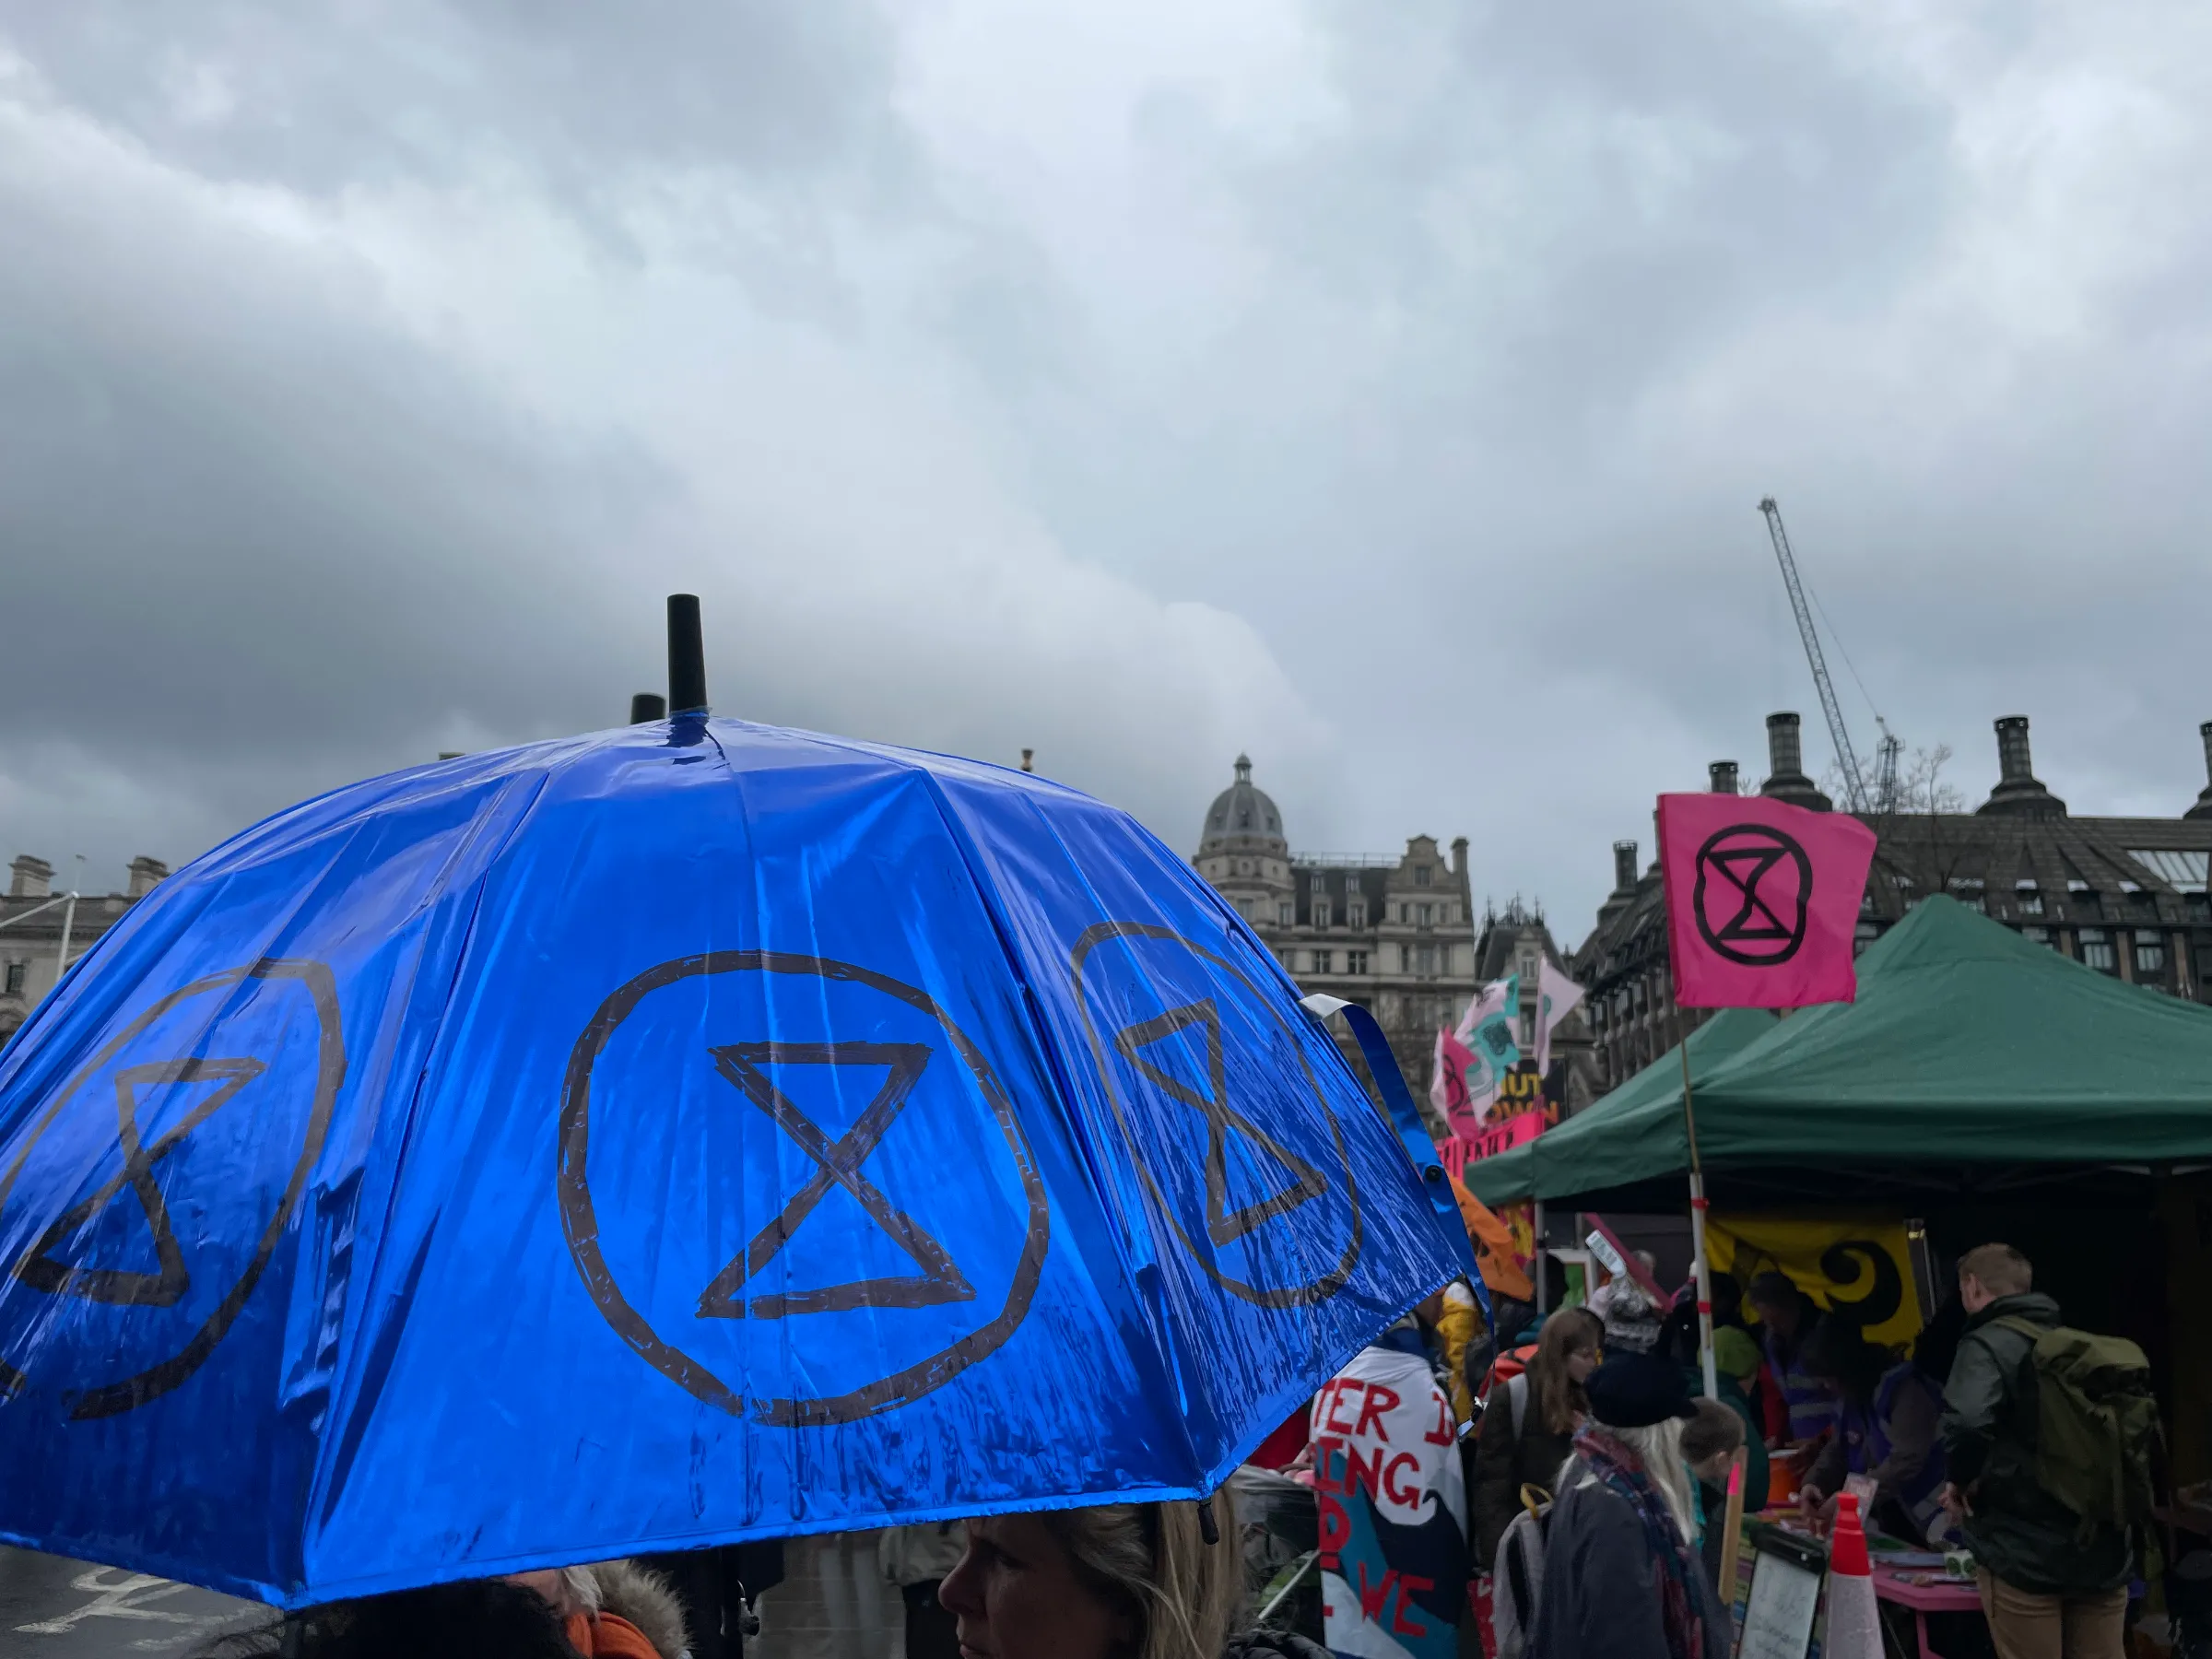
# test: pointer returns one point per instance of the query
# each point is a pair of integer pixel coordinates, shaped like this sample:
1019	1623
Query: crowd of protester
1567	1468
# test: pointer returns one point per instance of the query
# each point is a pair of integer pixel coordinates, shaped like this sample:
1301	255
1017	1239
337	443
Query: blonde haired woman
1119	1580
1621	1577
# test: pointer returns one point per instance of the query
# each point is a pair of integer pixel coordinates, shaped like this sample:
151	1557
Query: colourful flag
1557	996
1762	900
1486	1034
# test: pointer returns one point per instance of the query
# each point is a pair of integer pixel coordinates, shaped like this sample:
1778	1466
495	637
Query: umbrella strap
1406	1116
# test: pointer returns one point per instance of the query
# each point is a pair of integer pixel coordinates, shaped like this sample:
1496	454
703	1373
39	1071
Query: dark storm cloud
1129	382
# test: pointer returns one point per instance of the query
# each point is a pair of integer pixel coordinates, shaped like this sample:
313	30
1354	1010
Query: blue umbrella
688	1133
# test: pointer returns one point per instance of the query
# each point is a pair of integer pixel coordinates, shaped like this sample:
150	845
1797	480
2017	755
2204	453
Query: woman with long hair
1528	1426
1621	1577
1117	1581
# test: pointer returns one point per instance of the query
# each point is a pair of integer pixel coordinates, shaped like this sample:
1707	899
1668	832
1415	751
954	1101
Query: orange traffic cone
1854	1623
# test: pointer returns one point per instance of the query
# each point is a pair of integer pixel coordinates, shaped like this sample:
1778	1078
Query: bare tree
1921	841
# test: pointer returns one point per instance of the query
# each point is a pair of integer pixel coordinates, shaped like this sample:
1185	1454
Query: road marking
124	1598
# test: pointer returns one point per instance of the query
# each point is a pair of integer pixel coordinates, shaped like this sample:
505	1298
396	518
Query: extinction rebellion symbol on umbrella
279	1017
757	992
1754	890
1227	1125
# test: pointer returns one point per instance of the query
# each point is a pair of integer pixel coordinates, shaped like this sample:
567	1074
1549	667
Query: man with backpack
2049	1433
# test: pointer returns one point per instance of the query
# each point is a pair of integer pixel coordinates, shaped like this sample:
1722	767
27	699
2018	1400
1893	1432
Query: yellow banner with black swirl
1861	1267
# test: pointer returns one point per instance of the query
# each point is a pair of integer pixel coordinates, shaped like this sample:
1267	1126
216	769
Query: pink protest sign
1762	901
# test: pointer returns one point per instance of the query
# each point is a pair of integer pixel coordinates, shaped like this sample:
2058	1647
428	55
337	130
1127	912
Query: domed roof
1242	809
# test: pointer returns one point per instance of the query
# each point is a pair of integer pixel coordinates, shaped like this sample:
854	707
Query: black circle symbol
1754	893
1222	1118
741	1065
39	1266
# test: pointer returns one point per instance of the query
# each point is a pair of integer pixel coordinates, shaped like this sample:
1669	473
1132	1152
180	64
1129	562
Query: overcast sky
1383	389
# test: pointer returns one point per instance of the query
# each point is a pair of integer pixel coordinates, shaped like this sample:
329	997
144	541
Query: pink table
1890	1585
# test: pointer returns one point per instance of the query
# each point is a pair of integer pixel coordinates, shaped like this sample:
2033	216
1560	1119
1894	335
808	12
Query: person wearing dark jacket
1528	1426
1621	1576
2051	1587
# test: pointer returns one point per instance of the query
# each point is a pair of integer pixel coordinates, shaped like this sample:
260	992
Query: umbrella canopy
683	1133
1968	1048
1636	1128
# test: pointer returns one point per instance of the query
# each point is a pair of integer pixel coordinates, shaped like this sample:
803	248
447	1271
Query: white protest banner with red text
1392	1509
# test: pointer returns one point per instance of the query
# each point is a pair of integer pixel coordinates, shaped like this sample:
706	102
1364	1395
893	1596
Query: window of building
1286	914
1422	914
1866	935
1322	917
2097	951
1355	961
2041	936
1528	1031
2029	897
16	972
2150	955
1325	962
1355	912
1420	874
1424	961
2185	872
1321	884
2076	885
1866	903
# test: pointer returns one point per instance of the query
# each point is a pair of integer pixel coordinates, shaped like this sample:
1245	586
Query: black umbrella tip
647	706
687	657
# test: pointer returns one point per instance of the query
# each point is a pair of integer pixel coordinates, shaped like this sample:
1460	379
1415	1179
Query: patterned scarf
1622	1472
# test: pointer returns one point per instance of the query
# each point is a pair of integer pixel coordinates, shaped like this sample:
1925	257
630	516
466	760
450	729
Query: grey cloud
323	96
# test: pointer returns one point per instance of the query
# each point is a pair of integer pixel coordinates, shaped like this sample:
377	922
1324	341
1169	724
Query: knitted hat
1630	1320
1634	1391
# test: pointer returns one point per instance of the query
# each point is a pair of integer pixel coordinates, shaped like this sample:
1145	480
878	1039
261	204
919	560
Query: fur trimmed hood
644	1597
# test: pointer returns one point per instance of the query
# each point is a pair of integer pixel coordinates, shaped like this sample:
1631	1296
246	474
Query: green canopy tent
1974	1062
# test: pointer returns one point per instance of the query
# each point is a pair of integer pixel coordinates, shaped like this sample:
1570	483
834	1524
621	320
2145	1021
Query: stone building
2124	896
37	926
1395	934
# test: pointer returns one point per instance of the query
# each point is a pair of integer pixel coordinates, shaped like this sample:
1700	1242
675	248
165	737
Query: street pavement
55	1608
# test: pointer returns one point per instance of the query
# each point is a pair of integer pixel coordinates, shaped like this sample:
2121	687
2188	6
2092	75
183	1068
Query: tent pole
1696	1234
1540	1258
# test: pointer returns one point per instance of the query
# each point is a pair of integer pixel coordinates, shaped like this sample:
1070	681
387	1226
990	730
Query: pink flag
1448	1088
1762	900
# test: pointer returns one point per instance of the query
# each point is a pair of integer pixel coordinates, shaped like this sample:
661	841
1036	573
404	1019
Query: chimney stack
145	874
1786	780
2017	794
1724	776
1459	856
32	877
2202	809
1624	866
1028	758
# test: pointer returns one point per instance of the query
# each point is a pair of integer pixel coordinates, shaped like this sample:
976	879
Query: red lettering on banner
1328	1452
1372	1597
1379	1400
1335	1528
1336	1398
1359	1473
1412	1494
1443	1434
1407	1584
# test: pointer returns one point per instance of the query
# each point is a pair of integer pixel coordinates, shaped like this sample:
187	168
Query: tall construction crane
1846	755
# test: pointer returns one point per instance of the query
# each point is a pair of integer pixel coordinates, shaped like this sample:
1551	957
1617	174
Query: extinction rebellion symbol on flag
1753	893
1763	901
